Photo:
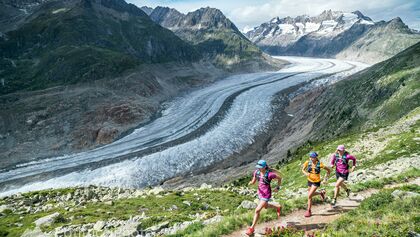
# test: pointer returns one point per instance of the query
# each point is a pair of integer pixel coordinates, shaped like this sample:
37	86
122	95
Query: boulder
109	203
99	225
205	186
47	220
36	232
403	194
4	208
156	191
157	228
63	231
247	205
187	203
213	220
173	207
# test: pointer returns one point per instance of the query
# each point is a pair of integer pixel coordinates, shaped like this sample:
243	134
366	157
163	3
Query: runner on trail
312	169
340	159
264	175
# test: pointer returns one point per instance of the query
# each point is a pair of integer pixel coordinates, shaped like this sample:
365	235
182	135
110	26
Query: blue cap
261	164
313	154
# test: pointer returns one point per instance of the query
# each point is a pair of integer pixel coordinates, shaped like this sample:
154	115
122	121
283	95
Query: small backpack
342	158
265	178
317	167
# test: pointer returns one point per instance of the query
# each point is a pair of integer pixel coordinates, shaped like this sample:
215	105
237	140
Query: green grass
380	215
373	98
402	145
380	183
157	209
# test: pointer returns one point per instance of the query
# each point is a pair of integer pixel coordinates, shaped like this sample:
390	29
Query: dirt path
321	214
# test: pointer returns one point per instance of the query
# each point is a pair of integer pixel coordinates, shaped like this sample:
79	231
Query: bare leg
273	205
260	206
343	185
311	193
339	183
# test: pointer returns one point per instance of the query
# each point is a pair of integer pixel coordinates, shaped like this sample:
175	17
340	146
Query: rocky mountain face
65	42
382	41
334	33
146	10
214	35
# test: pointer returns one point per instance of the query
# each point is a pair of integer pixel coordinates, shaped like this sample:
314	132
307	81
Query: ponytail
277	172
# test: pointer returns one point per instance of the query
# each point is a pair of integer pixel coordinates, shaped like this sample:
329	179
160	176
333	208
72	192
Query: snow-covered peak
275	20
327	24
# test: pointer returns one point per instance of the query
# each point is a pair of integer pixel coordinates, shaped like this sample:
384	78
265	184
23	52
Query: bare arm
353	159
254	179
328	173
304	170
279	179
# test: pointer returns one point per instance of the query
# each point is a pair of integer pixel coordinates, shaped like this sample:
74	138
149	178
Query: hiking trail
322	214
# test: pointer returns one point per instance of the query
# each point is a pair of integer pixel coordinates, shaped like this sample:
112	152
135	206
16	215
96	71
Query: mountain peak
208	18
147	10
361	16
397	24
397	20
330	14
166	17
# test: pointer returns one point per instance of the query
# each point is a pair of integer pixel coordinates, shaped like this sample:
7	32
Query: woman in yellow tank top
312	169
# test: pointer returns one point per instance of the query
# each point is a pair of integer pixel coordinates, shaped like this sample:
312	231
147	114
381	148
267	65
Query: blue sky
250	13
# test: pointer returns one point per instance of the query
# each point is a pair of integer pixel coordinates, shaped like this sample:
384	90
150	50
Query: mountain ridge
331	34
108	32
213	34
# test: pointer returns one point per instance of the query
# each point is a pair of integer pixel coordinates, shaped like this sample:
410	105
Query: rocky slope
334	34
214	35
381	42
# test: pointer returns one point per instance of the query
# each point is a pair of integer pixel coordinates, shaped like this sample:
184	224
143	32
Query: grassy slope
380	215
372	98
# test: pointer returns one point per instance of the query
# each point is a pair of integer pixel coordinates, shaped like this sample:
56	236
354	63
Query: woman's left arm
328	173
279	179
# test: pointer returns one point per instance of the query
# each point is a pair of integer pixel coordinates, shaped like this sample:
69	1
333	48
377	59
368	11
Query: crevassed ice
249	115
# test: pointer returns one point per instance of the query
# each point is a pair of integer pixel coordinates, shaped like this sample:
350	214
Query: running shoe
249	231
334	201
322	194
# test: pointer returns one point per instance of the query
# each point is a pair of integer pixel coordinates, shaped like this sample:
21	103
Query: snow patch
59	10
